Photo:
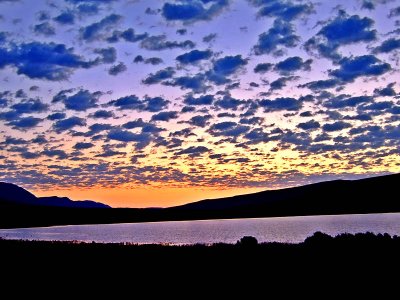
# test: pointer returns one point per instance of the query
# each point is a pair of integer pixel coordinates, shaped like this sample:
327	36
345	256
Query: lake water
285	229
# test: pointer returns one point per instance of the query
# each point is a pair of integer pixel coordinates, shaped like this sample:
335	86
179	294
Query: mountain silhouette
19	208
11	194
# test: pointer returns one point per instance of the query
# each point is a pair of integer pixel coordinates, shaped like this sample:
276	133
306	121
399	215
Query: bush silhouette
247	241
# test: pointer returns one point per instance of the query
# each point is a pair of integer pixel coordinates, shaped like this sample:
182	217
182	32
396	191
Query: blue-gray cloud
96	31
293	64
45	29
285	10
160	42
194	56
69	123
117	69
193	10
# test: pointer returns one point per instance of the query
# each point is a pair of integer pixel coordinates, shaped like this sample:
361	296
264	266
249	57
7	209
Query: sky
160	103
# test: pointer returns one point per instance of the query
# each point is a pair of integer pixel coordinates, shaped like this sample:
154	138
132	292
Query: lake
284	229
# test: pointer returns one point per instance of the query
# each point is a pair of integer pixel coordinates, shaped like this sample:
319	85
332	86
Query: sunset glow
160	103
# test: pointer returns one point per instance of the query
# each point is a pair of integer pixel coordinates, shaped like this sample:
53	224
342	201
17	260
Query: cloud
280	35
194	56
44	29
141	139
97	128
48	61
202	100
117	69
30	106
280	83
278	104
153	104
341	102
228	129
193	151
165	116
102	114
394	12
159	76
293	64
128	35
195	83
24	123
159	42
228	102
108	55
285	10
387	91
309	125
354	67
153	61
66	124
60	154
200	121
193	10
88	9
262	68
224	67
209	38
343	30
56	116
82	100
65	18
321	84
388	46
336	126
83	145
97	30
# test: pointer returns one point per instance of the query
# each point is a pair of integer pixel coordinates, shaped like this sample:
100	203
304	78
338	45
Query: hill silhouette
19	208
11	195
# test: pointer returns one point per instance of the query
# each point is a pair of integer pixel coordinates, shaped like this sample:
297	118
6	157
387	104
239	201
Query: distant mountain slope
11	195
373	194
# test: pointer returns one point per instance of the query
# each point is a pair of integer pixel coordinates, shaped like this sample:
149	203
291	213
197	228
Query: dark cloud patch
65	18
388	46
193	151
262	68
165	116
368	4
141	139
83	145
194	10
343	30
187	109
82	100
280	35
97	128
321	84
293	64
228	102
360	66
56	116
108	55
3	102
154	104
24	123
181	31
60	154
153	61
394	12
209	38
225	67
279	104
194	56
160	42
387	91
128	35
30	106
200	121
66	124
343	102
159	76
336	126
252	121
45	29
102	114
48	61
195	83
97	30
202	100
88	9
281	82
309	125
117	69
286	10
228	129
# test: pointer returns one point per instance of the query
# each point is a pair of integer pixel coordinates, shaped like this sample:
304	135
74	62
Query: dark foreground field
318	252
